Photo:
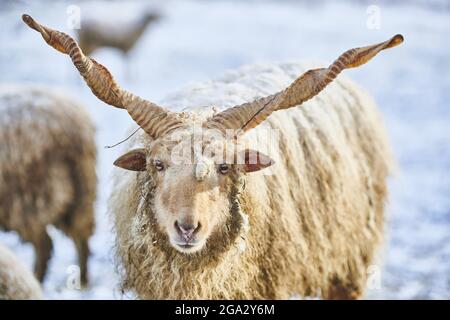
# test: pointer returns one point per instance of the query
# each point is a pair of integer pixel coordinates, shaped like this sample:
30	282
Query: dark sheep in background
47	170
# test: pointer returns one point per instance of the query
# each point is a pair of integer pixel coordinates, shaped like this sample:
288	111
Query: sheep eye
158	165
223	168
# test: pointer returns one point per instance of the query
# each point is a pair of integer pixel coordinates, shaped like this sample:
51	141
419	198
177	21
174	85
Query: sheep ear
134	160
255	160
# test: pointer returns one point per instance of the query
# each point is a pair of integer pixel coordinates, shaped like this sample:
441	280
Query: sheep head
194	172
193	180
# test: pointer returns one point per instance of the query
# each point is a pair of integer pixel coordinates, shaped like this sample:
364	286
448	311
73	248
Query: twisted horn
155	120
248	115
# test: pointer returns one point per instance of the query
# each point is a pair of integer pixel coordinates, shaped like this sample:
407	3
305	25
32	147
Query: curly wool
314	223
16	281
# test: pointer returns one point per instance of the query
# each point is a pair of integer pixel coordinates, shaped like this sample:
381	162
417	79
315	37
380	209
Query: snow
200	40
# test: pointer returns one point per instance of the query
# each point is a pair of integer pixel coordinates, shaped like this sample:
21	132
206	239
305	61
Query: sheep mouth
187	247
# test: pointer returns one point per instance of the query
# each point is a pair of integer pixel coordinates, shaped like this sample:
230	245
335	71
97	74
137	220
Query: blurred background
193	41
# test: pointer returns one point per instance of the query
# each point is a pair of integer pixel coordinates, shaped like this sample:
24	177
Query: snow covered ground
198	40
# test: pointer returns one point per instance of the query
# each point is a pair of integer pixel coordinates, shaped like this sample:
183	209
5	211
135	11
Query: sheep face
194	172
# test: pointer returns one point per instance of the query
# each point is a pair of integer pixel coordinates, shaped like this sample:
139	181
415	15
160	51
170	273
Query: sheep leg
44	247
343	294
82	246
78	225
342	290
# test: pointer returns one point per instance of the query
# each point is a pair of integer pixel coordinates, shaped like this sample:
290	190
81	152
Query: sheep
195	215
16	281
94	34
47	170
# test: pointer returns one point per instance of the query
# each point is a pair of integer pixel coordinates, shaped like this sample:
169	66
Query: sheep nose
186	231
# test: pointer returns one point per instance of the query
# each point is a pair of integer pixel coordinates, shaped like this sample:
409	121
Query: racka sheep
16	281
47	170
201	220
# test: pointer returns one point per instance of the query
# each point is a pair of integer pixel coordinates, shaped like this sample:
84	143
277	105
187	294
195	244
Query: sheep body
16	281
47	170
314	223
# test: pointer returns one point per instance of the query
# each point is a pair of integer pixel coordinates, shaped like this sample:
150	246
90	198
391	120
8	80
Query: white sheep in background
16	281
213	227
47	170
95	34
